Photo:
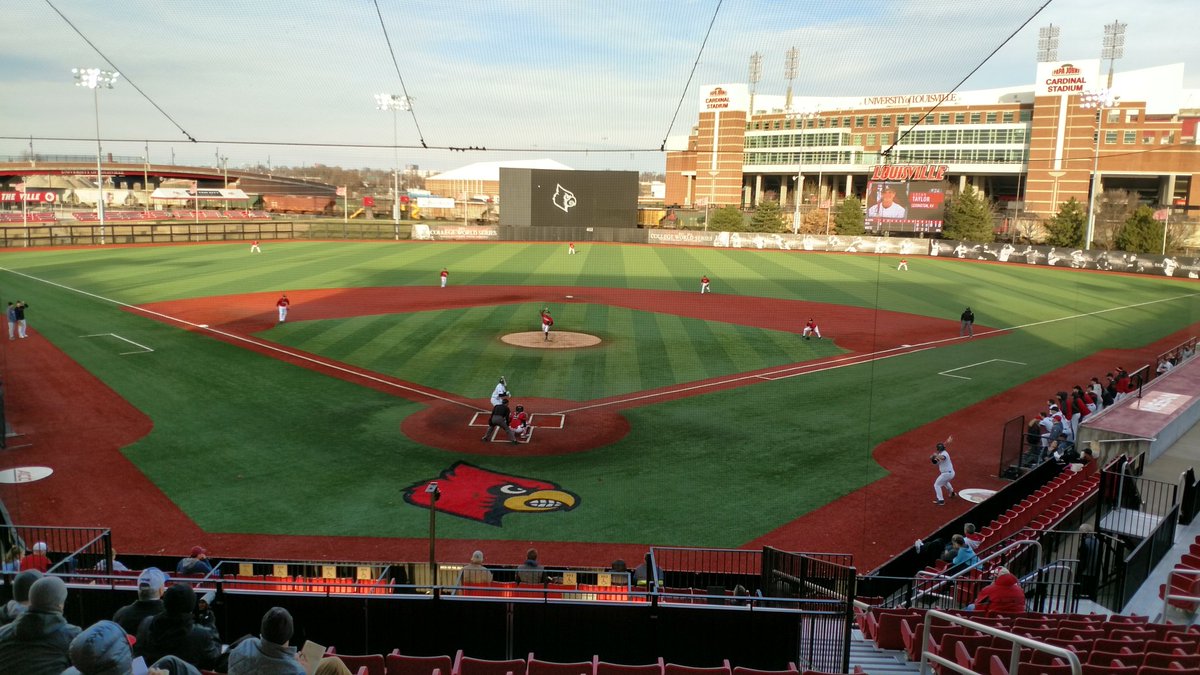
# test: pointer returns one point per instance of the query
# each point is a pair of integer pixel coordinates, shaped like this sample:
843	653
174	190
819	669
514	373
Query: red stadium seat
678	669
398	664
604	668
538	667
465	665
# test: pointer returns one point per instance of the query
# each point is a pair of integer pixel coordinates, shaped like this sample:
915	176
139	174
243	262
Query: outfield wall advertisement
424	232
791	242
1058	256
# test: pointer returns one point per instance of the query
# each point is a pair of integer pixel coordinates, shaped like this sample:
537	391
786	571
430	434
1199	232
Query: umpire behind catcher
499	418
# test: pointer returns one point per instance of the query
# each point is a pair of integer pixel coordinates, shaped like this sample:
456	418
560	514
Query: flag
1161	214
341	192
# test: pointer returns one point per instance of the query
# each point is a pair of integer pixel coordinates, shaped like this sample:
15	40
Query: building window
820	122
944	118
1110	137
991	118
1007	117
960	118
1026	115
776	124
856	140
1147	139
887	120
1129	138
846	122
1114	116
976	118
787	124
885	139
870	140
1169	138
858	121
901	120
873	121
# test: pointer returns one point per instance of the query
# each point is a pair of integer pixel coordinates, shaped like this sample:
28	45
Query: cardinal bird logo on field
475	493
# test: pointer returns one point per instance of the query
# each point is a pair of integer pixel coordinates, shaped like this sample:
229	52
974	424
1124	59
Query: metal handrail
1168	596
1011	545
1018	641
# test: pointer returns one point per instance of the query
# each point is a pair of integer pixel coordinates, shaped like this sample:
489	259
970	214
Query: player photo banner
905	206
790	242
1058	256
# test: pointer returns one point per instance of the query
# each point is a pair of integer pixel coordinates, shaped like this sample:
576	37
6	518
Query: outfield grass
229	422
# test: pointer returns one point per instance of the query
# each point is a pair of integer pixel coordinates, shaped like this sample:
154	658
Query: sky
595	85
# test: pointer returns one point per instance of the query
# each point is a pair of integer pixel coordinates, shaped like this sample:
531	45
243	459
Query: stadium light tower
791	64
96	79
1100	100
755	76
800	122
1047	44
395	104
1113	47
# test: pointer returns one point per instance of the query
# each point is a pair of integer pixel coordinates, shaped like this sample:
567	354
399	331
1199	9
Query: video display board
906	206
557	198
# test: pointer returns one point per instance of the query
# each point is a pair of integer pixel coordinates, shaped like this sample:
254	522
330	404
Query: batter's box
548	420
479	419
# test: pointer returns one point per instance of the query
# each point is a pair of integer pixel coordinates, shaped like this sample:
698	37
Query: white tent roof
491	170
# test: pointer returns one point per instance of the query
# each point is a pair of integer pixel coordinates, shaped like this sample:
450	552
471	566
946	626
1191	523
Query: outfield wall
176	232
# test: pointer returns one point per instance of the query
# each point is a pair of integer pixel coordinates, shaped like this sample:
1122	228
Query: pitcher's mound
558	340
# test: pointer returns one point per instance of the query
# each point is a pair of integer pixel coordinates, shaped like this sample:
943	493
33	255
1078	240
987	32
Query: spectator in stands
1089	556
38	642
117	565
195	563
1164	366
37	559
973	540
531	571
474	572
270	653
620	572
20	601
101	649
1003	596
1097	390
151	584
12	559
175	632
964	555
640	576
204	615
172	665
332	665
1086	457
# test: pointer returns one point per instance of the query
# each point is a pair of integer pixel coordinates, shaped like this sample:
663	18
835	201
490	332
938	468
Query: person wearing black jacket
499	418
967	325
175	633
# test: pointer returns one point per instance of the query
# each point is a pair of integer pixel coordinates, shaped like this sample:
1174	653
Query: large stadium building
1031	146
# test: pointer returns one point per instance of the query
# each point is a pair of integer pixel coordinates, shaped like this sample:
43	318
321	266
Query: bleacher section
142	216
33	217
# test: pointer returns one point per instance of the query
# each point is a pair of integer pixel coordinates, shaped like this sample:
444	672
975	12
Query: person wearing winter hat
101	649
175	632
20	602
151	586
173	665
270	653
1002	596
38	642
37	560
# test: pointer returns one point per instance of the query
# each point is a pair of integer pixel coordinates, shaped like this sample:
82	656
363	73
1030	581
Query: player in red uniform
445	276
571	248
903	265
704	285
547	322
254	247
282	303
813	328
519	423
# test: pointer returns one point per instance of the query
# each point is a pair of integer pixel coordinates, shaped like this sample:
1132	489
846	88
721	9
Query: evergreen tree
727	219
767	218
968	217
849	218
1141	233
1067	227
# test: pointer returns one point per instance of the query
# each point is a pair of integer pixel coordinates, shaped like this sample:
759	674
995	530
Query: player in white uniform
499	392
945	471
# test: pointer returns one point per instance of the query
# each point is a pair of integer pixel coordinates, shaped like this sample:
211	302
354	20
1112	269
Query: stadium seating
465	665
399	664
604	668
679	669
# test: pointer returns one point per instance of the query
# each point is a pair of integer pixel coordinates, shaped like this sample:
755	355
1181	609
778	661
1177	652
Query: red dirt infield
69	420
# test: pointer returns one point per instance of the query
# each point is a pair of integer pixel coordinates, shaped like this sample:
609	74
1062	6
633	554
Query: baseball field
175	409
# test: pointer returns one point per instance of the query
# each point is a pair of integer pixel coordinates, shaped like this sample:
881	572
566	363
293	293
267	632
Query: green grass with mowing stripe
459	350
245	443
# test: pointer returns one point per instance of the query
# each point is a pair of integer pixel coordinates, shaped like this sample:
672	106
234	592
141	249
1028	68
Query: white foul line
872	356
145	349
241	338
972	365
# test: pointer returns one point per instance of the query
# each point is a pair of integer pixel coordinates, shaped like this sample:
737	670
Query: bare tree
1113	208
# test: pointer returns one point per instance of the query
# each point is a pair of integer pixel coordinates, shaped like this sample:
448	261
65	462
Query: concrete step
875	661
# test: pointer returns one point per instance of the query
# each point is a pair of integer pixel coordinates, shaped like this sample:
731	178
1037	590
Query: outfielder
499	392
941	458
547	322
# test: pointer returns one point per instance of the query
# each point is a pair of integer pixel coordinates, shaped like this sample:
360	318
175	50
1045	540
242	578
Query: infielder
445	276
704	285
811	328
500	392
282	304
547	322
941	458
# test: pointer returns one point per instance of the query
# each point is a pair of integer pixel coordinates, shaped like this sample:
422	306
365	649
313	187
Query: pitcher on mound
547	322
